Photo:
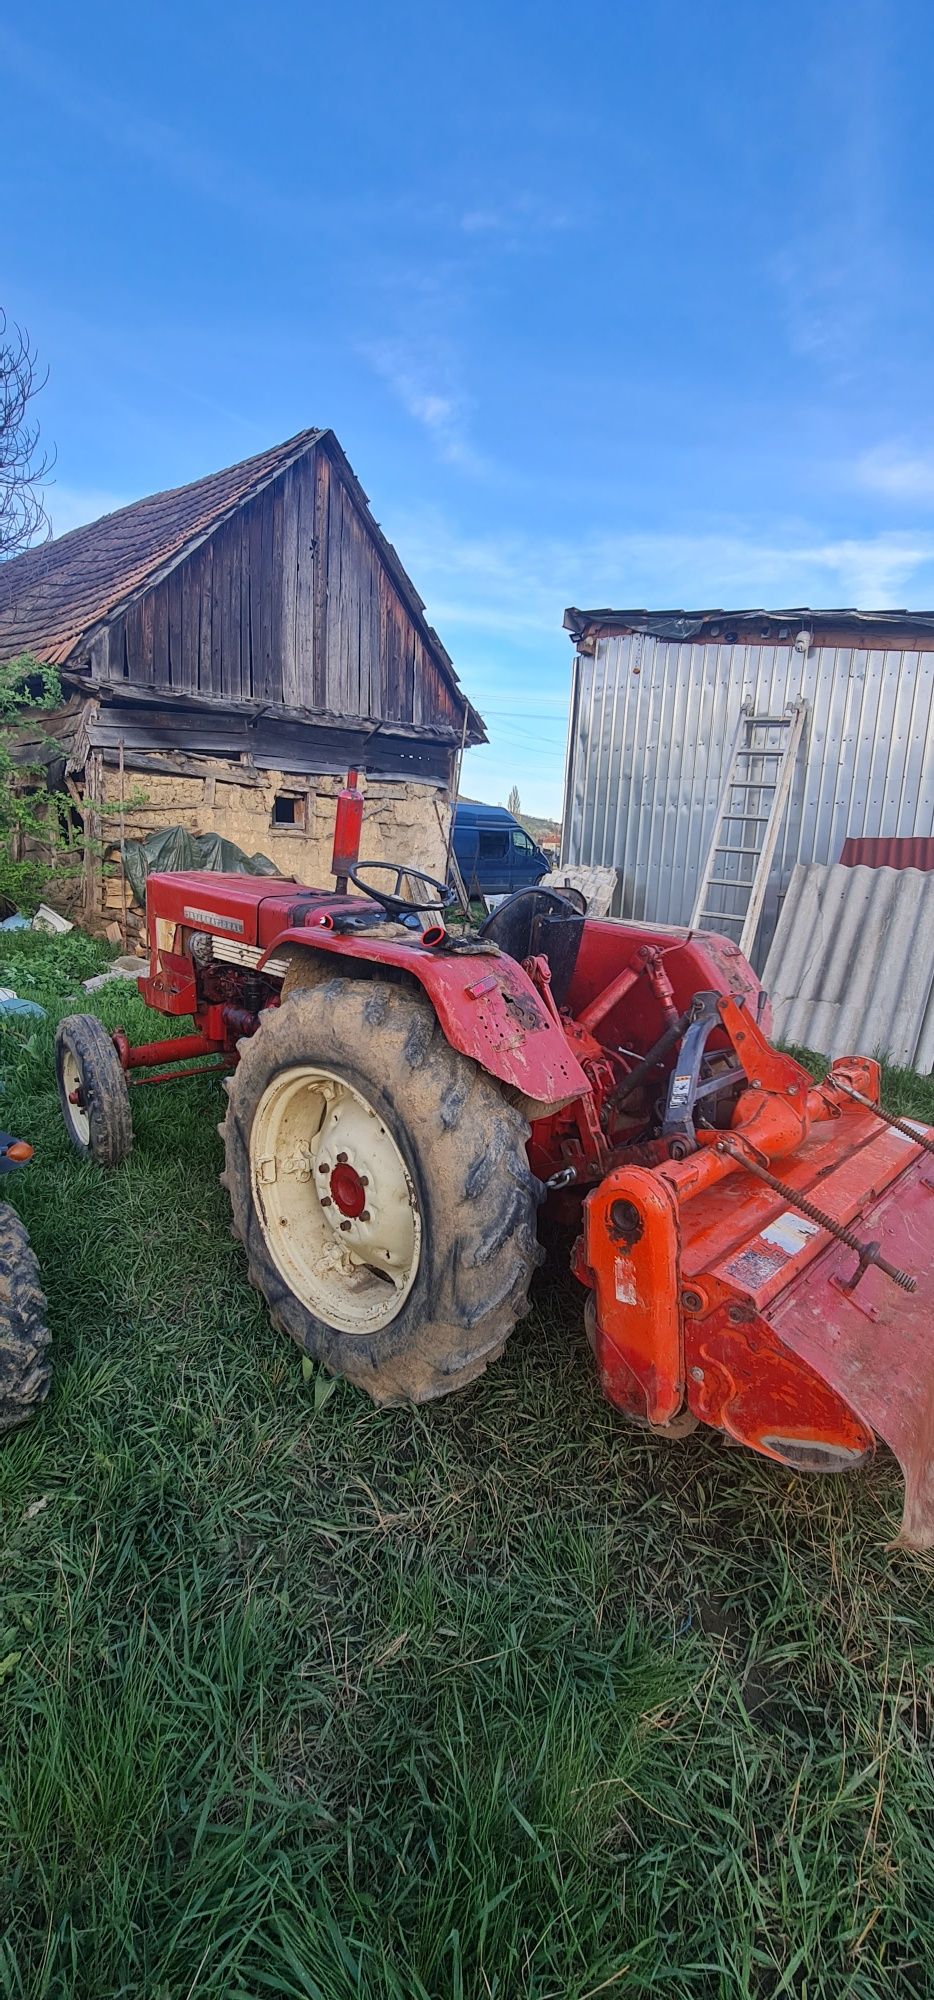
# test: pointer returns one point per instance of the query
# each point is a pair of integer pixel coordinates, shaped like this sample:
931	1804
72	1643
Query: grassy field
489	1700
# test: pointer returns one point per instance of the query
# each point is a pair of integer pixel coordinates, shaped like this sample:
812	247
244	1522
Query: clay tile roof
51	595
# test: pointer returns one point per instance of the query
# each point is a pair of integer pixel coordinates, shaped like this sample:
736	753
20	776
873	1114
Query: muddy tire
100	1123
25	1371
306	969
349	1095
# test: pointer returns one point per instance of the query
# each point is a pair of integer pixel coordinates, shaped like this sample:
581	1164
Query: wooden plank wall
291	602
269	743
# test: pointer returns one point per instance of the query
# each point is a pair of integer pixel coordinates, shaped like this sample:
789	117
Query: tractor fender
486	1004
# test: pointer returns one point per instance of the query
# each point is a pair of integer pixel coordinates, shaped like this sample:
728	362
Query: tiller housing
756	1250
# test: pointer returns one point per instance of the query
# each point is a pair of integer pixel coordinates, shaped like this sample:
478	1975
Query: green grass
490	1699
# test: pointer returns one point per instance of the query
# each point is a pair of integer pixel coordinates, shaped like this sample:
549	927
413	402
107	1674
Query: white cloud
867	571
516	216
828	307
897	473
421	377
519	585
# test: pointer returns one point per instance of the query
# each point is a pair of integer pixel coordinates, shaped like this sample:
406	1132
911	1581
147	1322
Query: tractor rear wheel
24	1336
92	1090
380	1183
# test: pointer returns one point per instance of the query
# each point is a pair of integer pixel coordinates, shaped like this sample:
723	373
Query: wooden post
123	845
93	861
453	792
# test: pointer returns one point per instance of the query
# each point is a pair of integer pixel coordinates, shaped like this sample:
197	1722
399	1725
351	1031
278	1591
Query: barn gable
267	585
228	649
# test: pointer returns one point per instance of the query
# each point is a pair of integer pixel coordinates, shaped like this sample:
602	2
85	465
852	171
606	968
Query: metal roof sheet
897	851
874	626
851	965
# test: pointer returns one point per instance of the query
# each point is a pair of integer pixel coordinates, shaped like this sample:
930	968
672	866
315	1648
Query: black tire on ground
25	1371
463	1145
100	1127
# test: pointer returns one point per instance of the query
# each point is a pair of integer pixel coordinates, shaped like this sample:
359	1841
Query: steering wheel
394	904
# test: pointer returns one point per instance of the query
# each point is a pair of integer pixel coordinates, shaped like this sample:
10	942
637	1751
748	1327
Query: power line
519	714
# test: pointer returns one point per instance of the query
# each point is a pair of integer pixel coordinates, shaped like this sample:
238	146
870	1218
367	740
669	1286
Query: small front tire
92	1090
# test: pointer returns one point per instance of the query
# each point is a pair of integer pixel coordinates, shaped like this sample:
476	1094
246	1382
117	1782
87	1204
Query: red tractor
755	1250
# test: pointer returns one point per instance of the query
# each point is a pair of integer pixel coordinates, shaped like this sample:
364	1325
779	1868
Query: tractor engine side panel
245	910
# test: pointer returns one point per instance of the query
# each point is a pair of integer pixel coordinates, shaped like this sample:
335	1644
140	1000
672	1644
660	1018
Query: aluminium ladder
749	819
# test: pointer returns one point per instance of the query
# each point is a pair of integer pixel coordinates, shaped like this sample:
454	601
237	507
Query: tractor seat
537	922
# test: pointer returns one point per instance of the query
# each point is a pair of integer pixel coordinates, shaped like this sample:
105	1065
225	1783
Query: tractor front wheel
380	1183
92	1090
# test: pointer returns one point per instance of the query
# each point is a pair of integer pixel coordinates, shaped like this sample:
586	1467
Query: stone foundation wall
401	821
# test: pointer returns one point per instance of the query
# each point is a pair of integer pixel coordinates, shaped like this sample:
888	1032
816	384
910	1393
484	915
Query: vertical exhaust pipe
348	821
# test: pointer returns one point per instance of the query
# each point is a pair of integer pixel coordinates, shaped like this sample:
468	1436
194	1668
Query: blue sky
624	304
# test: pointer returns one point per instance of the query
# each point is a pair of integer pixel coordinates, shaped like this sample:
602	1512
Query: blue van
494	853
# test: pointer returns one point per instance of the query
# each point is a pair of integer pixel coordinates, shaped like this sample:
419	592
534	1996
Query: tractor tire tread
305	970
107	1099
485	1249
25	1341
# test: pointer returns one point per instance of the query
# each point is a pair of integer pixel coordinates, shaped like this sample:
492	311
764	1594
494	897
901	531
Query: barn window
288	810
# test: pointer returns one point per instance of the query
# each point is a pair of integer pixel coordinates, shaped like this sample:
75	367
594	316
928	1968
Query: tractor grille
230	952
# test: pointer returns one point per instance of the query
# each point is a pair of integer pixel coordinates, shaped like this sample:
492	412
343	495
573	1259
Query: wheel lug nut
364	1181
324	1168
364	1215
342	1159
345	1225
325	1201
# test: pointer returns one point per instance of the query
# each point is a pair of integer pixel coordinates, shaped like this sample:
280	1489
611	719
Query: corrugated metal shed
655	704
892	853
851	966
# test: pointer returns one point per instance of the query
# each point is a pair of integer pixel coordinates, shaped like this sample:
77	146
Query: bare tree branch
23	519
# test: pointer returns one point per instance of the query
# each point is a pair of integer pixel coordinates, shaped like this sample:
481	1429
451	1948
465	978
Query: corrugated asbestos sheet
851	967
892	853
652	720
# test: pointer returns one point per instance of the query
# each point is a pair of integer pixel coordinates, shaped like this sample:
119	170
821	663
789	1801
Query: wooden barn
226	650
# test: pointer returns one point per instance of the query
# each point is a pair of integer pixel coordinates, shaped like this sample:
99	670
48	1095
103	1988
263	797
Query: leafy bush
28	810
48	969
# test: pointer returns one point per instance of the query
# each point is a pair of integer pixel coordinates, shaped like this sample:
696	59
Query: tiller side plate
719	1295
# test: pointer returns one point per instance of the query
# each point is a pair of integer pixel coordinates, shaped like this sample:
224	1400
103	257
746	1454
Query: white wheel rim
75	1113
315	1140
